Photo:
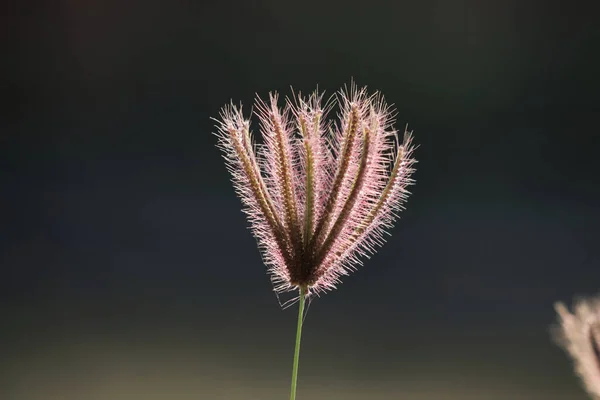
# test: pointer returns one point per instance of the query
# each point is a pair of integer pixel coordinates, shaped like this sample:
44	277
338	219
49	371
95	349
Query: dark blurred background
128	268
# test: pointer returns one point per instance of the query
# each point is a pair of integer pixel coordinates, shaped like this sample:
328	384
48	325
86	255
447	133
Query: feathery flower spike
318	194
579	335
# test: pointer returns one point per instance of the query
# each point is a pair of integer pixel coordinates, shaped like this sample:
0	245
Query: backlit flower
318	194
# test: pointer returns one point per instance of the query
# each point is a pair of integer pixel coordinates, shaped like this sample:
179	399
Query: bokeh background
128	269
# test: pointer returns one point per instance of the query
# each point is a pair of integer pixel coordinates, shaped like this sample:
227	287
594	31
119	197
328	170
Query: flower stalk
297	347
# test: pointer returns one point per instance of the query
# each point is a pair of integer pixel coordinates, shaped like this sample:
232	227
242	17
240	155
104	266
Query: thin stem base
297	349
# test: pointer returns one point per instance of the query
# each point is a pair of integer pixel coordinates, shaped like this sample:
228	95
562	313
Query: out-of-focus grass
87	367
101	353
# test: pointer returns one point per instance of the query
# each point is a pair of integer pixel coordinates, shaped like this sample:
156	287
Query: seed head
579	335
319	194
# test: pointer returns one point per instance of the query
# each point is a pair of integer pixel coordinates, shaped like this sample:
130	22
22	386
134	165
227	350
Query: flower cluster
319	194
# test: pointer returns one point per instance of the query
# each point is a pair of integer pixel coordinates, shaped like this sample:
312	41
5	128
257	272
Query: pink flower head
319	194
579	335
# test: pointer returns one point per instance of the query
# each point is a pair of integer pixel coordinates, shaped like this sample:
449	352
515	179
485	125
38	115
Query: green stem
297	349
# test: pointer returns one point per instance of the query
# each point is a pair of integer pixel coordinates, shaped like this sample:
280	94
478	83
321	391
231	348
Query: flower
579	335
318	194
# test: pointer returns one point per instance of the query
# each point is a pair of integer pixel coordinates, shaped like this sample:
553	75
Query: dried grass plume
579	334
319	193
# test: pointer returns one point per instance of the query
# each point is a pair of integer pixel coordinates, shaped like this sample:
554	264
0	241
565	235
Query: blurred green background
128	271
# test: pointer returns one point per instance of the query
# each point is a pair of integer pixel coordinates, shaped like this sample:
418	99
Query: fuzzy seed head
319	194
579	335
